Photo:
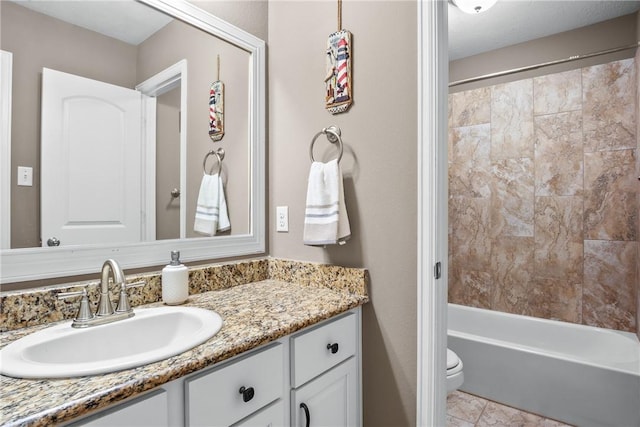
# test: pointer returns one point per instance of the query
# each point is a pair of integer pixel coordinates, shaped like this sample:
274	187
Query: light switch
25	176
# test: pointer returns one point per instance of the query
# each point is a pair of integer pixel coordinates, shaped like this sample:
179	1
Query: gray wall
379	166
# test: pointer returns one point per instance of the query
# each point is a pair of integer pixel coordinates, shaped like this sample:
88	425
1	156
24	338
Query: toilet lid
452	360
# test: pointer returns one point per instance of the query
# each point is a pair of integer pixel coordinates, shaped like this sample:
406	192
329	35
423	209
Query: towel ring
333	135
219	153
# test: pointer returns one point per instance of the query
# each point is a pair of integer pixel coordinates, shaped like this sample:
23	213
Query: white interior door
91	175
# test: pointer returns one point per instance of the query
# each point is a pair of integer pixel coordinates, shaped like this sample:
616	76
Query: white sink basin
152	334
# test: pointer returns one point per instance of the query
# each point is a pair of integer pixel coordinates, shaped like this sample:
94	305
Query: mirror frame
18	265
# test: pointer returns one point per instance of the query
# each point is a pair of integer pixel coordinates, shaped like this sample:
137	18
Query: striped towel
211	211
325	219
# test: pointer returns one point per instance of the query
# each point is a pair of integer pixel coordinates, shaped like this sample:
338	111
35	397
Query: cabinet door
149	410
271	416
329	400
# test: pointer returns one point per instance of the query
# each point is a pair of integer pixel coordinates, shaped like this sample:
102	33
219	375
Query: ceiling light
474	6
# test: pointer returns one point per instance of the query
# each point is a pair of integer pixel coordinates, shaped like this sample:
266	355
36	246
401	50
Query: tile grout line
486	403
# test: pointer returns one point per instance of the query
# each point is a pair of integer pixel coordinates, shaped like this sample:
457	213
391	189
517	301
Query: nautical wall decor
338	81
216	108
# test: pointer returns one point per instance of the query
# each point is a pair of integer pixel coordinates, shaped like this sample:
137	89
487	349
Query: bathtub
577	374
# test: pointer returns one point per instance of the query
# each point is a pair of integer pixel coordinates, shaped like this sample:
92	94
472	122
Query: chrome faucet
104	312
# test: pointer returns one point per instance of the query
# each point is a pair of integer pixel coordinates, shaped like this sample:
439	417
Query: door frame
433	77
6	79
166	80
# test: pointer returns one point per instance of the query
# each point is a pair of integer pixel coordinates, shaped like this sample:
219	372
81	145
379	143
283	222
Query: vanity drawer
322	347
214	398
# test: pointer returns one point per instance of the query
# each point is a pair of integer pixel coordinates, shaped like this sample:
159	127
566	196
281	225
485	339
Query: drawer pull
333	347
306	414
247	393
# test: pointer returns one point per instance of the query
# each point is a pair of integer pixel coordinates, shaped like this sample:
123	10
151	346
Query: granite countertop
253	314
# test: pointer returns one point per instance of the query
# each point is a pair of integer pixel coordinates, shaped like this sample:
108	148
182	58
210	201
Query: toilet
455	376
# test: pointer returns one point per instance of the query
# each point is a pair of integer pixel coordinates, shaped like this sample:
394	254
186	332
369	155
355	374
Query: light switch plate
25	176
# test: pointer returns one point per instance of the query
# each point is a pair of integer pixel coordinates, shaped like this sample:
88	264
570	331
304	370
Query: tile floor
467	410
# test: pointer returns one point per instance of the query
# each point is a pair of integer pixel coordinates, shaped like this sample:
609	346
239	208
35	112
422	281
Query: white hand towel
325	220
211	209
223	217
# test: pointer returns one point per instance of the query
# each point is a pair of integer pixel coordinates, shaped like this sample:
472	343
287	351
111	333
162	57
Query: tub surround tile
512	272
512	200
609	92
557	92
470	107
470	162
564	161
471	288
559	238
556	299
512	133
610	289
470	236
20	309
254	314
558	154
611	202
637	59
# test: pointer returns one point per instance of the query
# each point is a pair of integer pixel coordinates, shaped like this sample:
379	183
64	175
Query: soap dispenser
175	281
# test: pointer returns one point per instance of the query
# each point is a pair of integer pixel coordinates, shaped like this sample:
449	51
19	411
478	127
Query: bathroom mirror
180	65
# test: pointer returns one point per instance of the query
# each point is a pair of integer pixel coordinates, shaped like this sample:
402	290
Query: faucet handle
84	312
123	301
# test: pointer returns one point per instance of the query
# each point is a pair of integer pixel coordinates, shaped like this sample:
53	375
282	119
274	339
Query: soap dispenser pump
175	281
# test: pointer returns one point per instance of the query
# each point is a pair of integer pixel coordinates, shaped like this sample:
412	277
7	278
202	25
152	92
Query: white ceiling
515	21
125	20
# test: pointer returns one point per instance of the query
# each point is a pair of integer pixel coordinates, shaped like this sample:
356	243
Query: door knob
53	242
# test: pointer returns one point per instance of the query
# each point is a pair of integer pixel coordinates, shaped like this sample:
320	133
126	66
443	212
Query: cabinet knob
247	393
333	347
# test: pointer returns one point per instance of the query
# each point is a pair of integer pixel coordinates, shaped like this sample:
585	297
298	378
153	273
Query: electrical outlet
282	219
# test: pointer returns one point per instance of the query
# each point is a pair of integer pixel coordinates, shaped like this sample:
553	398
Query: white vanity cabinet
308	379
325	374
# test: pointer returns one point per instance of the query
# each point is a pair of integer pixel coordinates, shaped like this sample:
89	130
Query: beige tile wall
543	198
638	188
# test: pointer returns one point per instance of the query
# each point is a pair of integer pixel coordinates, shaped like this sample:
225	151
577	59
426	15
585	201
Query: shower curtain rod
543	64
